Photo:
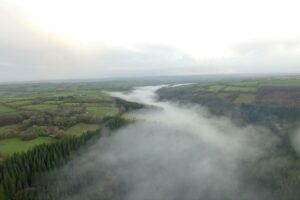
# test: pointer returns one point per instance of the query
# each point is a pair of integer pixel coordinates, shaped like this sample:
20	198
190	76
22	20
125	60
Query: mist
171	151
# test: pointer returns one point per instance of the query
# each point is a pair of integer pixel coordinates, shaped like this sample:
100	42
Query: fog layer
173	152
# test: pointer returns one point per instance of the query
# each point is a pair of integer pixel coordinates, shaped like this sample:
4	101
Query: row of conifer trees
21	172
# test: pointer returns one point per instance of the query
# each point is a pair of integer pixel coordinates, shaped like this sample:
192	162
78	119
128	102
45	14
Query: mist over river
174	152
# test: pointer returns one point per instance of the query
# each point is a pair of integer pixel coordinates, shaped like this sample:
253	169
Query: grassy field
101	111
53	102
245	99
287	81
16	145
282	91
5	109
78	129
215	88
72	104
246	84
7	128
52	109
240	89
49	107
16	99
20	103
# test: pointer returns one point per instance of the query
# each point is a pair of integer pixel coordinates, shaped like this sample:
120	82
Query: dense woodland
21	174
272	103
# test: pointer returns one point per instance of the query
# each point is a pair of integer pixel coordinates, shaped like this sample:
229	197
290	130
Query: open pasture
80	128
5	109
16	145
101	111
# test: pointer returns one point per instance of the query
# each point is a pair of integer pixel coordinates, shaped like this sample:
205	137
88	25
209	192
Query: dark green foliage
115	122
11	118
257	113
20	172
276	176
127	105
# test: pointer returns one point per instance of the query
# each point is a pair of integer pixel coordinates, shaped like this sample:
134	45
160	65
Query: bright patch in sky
200	28
98	38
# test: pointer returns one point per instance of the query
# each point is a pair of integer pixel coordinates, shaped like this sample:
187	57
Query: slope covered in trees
20	174
263	101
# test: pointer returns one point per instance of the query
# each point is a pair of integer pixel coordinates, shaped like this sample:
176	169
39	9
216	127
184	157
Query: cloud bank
170	153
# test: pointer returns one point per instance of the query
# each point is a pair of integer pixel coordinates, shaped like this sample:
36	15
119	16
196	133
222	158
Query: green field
101	111
78	129
215	88
7	128
72	104
15	99
246	84
5	109
20	103
281	82
243	85
52	102
16	145
262	91
54	106
245	99
49	107
240	89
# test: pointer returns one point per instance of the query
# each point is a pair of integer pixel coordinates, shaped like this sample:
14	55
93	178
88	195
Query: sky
71	39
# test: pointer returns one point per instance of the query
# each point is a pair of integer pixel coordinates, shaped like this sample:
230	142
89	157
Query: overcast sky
65	39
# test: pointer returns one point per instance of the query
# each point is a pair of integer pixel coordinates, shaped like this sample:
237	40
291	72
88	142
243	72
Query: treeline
256	113
269	115
275	176
115	122
20	172
125	106
13	118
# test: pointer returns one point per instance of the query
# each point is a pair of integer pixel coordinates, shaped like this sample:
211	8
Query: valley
248	126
